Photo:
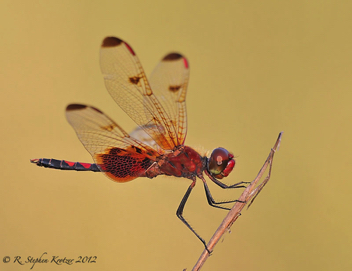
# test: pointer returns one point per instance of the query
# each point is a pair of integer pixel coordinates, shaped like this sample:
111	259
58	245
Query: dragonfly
156	147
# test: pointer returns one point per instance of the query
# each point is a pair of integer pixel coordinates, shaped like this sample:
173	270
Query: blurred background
257	68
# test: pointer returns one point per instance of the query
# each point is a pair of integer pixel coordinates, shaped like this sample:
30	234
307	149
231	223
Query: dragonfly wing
142	136
128	85
169	81
120	156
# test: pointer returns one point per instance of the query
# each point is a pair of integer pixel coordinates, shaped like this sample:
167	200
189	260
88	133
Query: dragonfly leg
211	200
179	213
224	186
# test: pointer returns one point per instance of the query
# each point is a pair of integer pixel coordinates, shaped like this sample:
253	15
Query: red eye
220	163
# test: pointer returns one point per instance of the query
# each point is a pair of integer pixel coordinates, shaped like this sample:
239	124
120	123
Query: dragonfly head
220	163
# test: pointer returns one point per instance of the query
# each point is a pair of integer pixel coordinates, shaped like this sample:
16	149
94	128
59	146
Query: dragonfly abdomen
65	165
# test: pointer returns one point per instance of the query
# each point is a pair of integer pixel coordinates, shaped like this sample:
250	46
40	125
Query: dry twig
248	195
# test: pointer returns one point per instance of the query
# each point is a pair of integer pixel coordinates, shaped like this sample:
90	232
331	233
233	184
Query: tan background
257	68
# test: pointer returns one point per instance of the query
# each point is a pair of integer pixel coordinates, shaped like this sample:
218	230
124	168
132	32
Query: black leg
210	198
224	186
179	213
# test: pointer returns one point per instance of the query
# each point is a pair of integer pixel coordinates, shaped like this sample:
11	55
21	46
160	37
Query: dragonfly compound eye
221	163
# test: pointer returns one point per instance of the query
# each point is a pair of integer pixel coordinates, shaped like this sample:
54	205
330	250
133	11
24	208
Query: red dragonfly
156	147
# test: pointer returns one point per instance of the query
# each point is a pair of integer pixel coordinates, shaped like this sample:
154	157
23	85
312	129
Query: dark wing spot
138	149
111	42
108	127
174	88
173	123
71	107
172	56
117	151
135	80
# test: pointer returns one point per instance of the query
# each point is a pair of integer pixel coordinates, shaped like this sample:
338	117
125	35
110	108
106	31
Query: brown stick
249	194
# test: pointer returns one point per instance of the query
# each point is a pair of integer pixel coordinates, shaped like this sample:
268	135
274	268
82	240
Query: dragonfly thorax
184	162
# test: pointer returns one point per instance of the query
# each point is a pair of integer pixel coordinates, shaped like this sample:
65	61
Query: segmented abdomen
65	165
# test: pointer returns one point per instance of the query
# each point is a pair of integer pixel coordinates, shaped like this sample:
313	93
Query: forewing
120	156
169	82
127	84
